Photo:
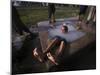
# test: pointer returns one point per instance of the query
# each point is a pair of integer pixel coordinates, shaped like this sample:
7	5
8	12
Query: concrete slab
45	31
74	36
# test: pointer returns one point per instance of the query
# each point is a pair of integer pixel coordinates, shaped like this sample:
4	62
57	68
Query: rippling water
71	36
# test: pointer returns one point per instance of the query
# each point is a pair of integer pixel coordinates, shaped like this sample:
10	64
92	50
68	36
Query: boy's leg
90	14
53	17
61	48
49	16
52	44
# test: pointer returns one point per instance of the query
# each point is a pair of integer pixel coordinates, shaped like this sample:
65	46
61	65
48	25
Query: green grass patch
32	15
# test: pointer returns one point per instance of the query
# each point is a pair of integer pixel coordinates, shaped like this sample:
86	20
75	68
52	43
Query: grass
32	15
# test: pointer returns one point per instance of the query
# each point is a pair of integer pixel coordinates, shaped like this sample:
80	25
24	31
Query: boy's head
64	29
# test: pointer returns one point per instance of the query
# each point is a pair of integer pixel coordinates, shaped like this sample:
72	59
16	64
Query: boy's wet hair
65	28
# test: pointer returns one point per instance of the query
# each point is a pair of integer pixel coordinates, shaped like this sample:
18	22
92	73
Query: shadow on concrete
84	59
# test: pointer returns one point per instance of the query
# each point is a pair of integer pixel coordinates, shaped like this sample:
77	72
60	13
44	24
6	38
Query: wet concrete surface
85	59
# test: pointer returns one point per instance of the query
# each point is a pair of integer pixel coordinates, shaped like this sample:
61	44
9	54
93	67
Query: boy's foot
51	58
38	55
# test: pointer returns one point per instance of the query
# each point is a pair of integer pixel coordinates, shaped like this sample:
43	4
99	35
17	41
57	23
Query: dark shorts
61	39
